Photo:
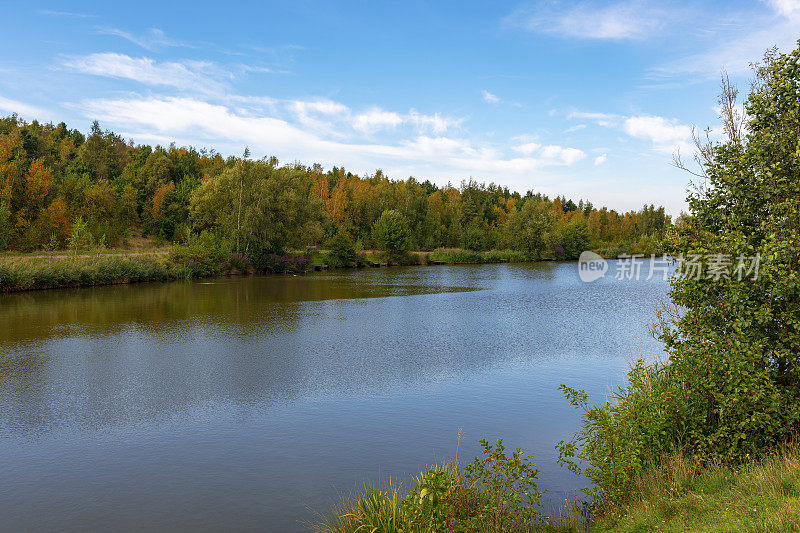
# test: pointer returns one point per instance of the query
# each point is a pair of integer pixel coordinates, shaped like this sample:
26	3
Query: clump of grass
495	492
373	508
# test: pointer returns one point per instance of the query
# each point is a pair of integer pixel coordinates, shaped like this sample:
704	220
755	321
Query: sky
584	99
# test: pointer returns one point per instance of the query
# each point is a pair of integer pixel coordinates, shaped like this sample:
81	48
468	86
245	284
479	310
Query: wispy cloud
599	160
21	108
198	76
66	14
733	41
625	20
734	49
153	39
489	97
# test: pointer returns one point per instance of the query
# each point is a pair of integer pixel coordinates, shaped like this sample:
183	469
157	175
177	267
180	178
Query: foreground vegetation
673	495
495	492
701	441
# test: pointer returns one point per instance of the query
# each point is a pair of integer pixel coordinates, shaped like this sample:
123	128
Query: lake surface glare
248	403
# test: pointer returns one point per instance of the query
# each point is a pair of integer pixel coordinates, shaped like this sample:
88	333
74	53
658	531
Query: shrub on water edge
206	254
342	250
455	255
273	262
643	421
496	492
459	255
414	258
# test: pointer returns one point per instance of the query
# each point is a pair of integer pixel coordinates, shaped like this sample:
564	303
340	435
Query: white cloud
599	160
26	111
192	121
435	123
576	127
527	148
569	156
620	21
551	153
787	8
489	97
376	119
323	107
190	75
601	119
666	135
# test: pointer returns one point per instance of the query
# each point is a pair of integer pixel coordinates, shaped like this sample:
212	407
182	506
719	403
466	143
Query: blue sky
586	99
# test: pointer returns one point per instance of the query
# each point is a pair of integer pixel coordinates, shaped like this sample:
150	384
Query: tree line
58	185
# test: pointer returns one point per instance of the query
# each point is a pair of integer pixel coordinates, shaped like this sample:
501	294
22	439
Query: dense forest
58	185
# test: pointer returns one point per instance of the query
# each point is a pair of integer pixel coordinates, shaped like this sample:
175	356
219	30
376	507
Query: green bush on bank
495	492
459	255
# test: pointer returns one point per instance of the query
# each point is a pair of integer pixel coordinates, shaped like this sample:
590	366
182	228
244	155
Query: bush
391	234
459	255
496	492
731	390
276	263
205	255
644	421
342	250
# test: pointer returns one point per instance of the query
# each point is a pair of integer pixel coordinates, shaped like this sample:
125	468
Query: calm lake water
246	403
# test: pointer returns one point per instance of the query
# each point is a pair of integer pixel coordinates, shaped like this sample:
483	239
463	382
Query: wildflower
452	522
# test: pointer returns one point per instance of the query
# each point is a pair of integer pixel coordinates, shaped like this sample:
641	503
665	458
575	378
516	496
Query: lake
246	403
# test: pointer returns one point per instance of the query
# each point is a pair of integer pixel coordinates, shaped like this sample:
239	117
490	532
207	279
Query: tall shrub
391	234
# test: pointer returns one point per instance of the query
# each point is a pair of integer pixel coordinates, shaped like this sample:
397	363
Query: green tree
342	248
737	343
731	389
530	229
390	233
574	238
259	206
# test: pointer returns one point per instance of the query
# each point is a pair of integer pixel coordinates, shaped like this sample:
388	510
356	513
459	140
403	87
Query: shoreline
167	273
60	270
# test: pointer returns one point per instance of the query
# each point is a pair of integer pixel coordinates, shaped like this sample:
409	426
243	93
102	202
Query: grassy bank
759	496
25	273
